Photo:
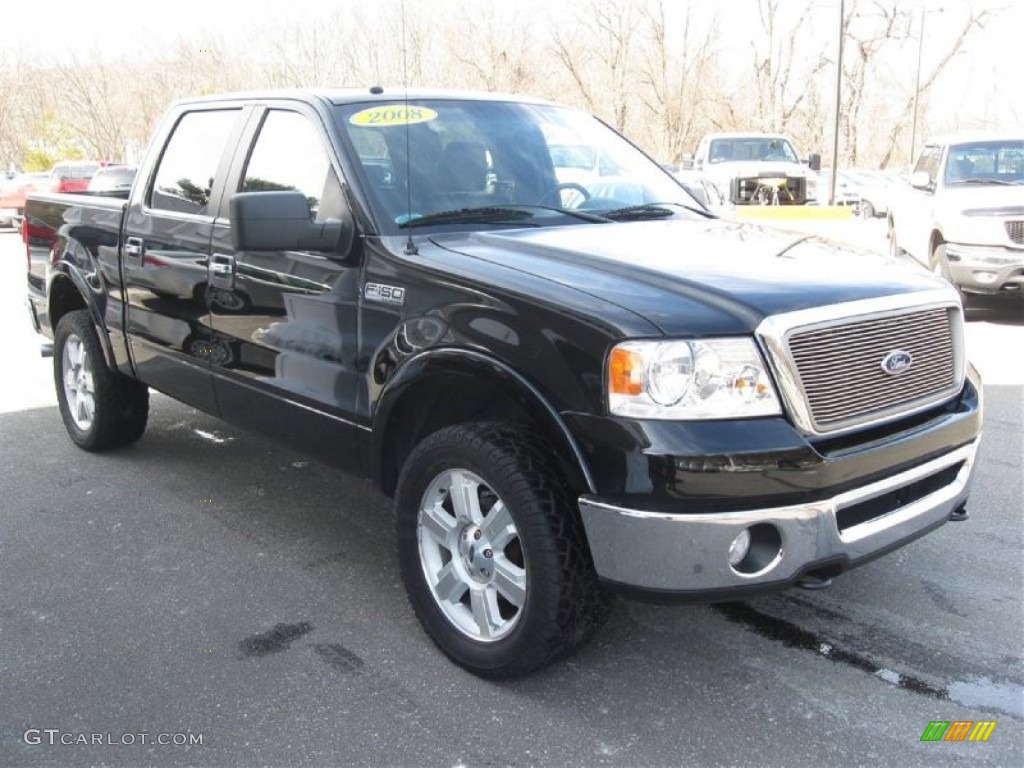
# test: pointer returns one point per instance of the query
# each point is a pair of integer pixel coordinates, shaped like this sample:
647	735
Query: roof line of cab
340	96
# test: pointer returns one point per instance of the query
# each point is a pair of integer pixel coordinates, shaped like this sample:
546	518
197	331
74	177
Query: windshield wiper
484	214
982	181
651	211
574	212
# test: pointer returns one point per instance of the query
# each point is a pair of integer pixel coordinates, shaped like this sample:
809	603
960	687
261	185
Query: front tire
492	551
100	408
939	265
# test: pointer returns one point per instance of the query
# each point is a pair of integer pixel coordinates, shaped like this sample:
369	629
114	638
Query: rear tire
101	408
474	495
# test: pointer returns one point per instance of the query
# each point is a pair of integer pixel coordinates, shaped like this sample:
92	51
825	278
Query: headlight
709	379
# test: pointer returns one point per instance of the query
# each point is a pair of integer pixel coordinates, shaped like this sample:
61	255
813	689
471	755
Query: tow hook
813	582
959	514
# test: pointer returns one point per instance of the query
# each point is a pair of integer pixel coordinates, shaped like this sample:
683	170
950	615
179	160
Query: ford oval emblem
897	362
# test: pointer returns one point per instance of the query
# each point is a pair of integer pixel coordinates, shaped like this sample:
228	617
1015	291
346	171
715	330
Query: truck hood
696	277
985	199
753	169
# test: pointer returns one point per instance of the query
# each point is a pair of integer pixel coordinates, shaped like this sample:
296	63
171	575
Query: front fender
490	373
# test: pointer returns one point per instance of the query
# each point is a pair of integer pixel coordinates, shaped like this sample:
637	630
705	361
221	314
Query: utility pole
839	88
917	86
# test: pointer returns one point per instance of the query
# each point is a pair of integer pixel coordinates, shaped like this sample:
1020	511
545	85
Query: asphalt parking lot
207	582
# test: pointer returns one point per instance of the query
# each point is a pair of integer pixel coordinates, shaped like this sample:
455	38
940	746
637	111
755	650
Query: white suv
962	214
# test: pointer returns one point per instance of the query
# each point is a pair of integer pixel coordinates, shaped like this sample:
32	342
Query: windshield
748	148
996	162
500	163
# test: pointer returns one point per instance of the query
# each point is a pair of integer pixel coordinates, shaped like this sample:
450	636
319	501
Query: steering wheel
559	188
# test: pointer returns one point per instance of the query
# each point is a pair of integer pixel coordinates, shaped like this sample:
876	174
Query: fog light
739	548
985	277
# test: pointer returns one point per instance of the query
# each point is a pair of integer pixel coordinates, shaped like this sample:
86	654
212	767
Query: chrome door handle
133	246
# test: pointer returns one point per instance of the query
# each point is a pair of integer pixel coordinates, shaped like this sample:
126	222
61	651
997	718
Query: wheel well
64	298
442	400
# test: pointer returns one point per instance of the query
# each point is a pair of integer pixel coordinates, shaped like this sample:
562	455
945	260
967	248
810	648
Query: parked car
13	192
874	188
72	176
962	213
563	402
113	178
846	192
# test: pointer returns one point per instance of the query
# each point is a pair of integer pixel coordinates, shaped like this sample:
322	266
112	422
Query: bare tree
975	21
676	67
598	55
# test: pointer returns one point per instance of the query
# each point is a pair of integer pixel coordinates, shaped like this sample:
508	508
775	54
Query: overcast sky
982	86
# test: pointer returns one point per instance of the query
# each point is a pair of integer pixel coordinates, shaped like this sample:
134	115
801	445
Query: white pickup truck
756	168
962	214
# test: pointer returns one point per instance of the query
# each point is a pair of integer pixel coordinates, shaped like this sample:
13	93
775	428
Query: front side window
184	178
289	154
498	162
929	162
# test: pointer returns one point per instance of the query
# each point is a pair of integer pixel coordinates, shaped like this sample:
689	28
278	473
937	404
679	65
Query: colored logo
897	362
958	730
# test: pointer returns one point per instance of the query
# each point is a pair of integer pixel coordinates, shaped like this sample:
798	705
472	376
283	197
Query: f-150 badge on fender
386	294
897	362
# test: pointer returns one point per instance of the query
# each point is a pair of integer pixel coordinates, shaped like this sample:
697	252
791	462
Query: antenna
410	246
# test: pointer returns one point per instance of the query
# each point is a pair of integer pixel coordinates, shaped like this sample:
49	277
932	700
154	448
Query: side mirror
814	161
280	221
921	180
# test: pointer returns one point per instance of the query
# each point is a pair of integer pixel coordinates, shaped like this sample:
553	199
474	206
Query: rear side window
289	154
184	177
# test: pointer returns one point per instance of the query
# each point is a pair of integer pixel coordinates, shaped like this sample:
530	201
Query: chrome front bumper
986	269
688	553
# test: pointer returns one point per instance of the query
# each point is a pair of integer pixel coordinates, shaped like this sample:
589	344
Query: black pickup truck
572	382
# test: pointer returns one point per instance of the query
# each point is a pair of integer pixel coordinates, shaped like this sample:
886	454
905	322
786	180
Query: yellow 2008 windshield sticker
392	114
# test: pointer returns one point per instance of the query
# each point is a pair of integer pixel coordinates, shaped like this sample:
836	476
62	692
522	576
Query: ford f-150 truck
962	214
566	393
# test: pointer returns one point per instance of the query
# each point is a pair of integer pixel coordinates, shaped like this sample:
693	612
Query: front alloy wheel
471	555
492	550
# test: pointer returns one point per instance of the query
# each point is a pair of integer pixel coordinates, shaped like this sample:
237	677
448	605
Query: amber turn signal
625	372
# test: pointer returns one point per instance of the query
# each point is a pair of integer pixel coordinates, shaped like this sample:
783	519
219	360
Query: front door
285	323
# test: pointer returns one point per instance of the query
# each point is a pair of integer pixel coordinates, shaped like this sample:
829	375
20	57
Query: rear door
285	323
165	249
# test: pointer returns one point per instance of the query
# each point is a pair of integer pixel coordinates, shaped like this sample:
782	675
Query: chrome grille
1015	230
840	366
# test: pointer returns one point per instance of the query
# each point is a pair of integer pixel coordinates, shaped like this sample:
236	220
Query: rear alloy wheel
492	551
100	407
867	210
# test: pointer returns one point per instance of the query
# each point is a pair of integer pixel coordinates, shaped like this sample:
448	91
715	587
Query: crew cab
962	213
756	168
566	393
